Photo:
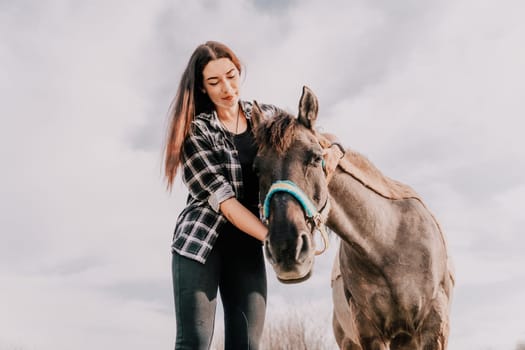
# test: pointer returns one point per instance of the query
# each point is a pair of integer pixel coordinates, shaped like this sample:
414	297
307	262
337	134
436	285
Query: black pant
236	268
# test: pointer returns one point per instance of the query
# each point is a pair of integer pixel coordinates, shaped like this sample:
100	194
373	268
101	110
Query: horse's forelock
277	133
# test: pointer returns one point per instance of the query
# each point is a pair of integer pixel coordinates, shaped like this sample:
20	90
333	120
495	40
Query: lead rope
324	236
319	225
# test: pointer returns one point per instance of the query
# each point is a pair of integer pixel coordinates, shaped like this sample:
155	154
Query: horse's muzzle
291	260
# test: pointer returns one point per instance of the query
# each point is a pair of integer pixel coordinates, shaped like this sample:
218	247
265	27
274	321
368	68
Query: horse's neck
358	215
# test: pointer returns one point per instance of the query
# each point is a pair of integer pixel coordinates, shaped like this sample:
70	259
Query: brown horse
392	282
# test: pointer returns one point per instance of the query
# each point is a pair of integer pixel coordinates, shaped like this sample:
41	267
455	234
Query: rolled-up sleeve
203	171
216	198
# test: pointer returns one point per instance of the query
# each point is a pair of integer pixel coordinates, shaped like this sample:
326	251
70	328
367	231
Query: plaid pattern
212	173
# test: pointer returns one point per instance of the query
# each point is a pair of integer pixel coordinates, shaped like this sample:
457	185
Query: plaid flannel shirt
211	171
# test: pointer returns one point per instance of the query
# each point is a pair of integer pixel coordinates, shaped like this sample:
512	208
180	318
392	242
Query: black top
231	237
247	149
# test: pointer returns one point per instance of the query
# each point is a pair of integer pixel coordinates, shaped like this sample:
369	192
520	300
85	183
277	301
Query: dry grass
292	330
298	331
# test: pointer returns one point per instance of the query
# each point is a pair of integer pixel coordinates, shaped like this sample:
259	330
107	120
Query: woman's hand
243	219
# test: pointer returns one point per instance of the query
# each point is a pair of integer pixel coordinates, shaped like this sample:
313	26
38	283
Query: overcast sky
431	91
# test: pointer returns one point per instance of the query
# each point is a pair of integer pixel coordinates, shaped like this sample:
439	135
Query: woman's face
221	82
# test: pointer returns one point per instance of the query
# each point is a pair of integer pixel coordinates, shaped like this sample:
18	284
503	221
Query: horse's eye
316	159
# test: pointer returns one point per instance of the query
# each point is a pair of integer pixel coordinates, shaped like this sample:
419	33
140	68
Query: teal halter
291	188
317	217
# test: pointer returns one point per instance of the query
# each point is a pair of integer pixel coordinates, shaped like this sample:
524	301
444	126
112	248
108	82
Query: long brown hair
190	101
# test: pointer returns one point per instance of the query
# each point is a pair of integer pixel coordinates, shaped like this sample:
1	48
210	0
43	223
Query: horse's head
293	187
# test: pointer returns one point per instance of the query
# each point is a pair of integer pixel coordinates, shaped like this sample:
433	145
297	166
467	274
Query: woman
217	239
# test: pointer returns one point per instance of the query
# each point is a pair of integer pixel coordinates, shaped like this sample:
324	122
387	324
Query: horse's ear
308	108
257	115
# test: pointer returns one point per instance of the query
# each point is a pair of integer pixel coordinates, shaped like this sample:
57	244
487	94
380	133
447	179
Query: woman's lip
229	98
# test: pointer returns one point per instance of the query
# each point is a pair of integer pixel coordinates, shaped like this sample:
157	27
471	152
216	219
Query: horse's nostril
303	247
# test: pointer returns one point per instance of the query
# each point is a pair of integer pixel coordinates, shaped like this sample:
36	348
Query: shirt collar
213	118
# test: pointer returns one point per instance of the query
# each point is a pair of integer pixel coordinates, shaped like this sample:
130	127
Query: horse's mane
276	132
363	170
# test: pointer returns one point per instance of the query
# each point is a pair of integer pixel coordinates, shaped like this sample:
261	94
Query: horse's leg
368	336
405	342
346	343
343	320
352	330
342	340
434	336
435	328
339	333
374	343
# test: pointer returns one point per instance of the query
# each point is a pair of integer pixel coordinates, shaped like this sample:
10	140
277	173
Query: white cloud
46	312
431	93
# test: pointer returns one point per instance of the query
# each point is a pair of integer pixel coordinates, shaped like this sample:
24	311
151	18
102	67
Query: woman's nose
227	87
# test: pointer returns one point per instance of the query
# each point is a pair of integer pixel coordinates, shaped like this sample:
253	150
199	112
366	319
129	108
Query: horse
392	278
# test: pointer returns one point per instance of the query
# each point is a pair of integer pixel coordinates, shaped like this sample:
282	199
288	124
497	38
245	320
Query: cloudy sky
431	91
